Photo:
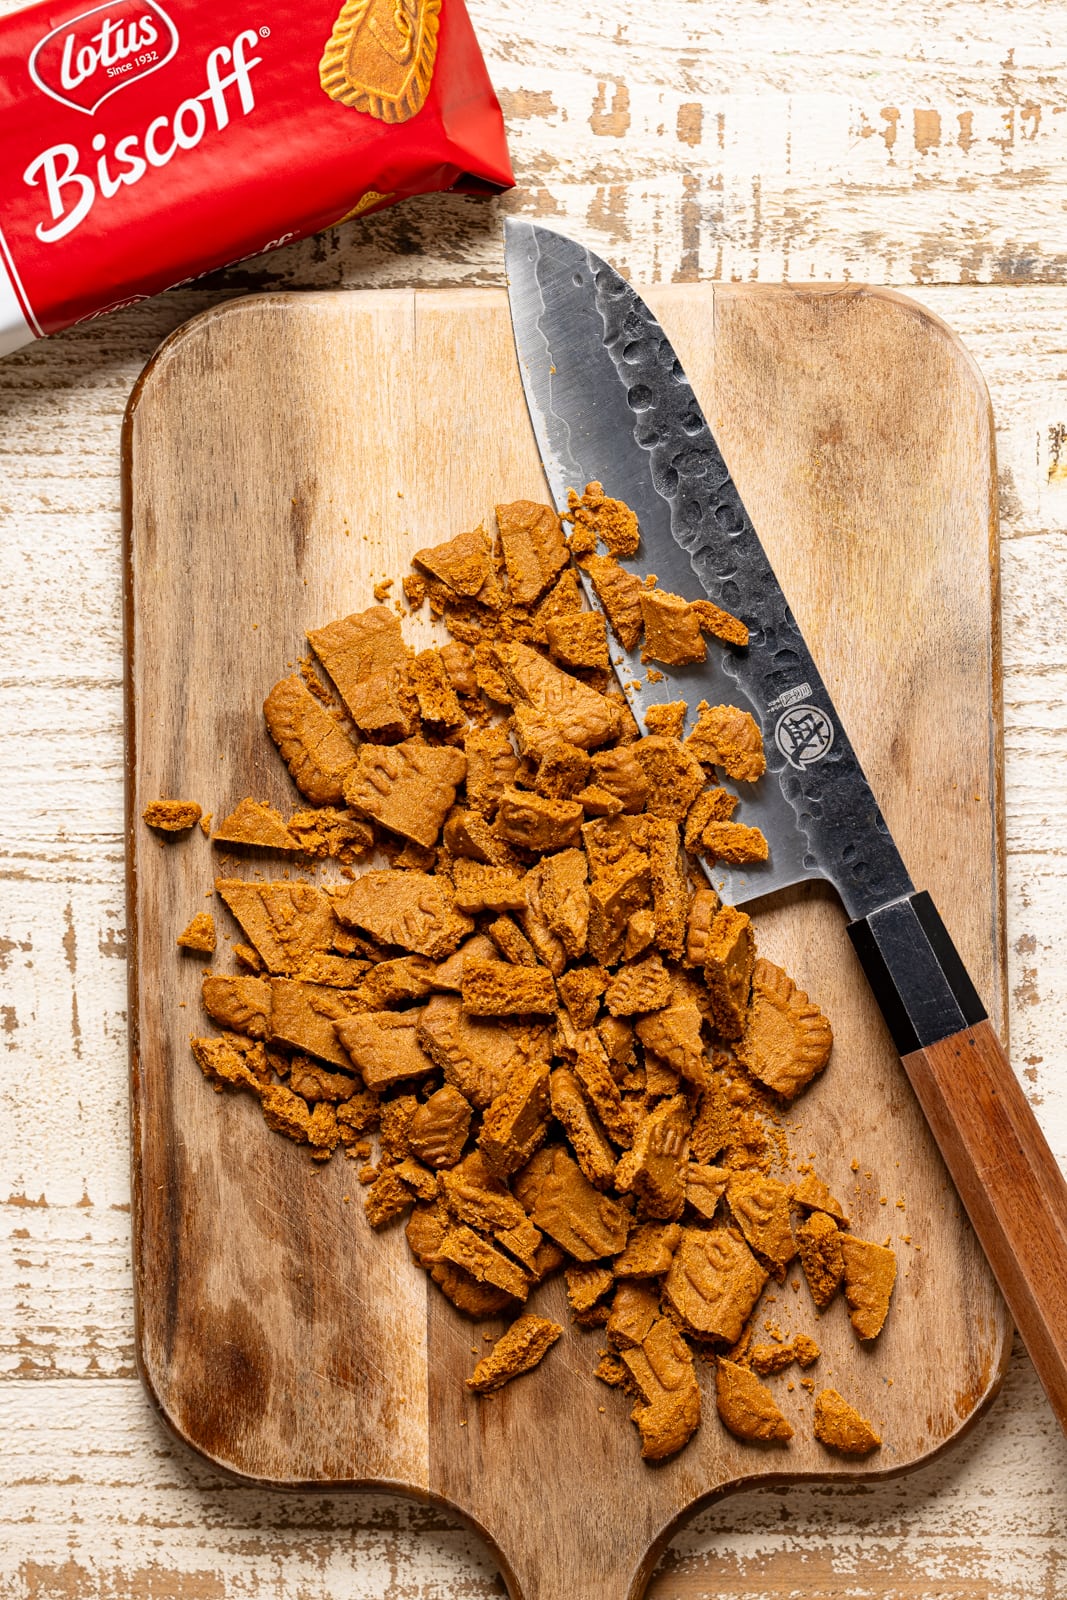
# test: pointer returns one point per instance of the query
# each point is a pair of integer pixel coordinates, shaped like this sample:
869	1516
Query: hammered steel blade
609	400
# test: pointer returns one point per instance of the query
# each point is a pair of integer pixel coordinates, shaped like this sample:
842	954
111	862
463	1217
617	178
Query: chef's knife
609	400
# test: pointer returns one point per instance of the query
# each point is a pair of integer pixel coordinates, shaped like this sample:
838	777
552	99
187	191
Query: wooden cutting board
283	454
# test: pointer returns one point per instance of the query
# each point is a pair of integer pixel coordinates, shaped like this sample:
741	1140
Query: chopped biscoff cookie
287	923
598	515
304	1016
199	935
733	843
579	640
667	720
520	1349
870	1273
242	1004
591	1146
500	989
581	715
384	1046
840	1427
463	564
747	1406
327	832
712	805
225	1066
534	551
673	1036
821	1256
713	1283
481	888
649	1251
619	594
767	1359
369	663
643	986
409	909
408	788
729	956
704	1188
564	1043
491	766
313	1082
171	816
561	1202
661	1370
515	1123
253	822
534	823
760	1207
654	1168
727	737
786	1040
812	1193
673	775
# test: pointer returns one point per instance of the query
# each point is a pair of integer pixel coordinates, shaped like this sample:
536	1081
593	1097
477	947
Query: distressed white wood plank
847	139
97	1501
66	1285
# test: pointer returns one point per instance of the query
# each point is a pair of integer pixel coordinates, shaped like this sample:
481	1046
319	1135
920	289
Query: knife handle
1006	1175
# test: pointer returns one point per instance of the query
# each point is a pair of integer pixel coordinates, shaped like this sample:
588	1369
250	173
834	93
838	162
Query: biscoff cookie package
146	142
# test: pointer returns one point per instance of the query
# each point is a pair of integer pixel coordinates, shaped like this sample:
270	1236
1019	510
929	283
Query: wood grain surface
284	455
96	1501
1009	1182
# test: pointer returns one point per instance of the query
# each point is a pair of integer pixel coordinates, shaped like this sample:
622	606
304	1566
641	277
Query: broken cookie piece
733	843
729	951
255	823
597	516
747	1406
520	1349
499	989
367	659
408	788
840	1427
534	551
311	743
821	1257
579	640
199	935
870	1273
562	1202
713	1283
661	1368
171	816
760	1206
384	1046
727	737
786	1039
243	1004
409	909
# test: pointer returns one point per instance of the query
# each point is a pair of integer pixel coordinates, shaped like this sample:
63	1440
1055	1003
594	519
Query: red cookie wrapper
145	142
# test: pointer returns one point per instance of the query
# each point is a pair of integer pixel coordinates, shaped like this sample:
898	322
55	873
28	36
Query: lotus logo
84	61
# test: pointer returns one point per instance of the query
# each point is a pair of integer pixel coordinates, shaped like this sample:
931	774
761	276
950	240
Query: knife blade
609	401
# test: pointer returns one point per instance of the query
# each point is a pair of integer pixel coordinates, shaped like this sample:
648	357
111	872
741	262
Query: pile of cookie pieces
569	1051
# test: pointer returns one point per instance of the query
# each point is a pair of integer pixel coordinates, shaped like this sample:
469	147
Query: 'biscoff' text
72	192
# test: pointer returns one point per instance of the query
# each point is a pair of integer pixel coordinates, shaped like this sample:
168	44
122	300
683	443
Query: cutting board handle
1006	1175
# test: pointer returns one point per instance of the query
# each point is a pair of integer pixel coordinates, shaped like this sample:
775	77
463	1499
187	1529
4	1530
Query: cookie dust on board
572	1056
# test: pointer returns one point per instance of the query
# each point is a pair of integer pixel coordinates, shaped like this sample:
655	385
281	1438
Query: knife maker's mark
803	734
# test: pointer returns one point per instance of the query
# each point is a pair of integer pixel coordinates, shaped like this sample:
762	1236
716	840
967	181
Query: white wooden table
897	142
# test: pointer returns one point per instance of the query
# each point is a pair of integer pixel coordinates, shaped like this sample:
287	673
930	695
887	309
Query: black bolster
921	985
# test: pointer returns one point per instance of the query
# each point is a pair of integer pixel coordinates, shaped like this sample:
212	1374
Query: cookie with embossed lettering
380	56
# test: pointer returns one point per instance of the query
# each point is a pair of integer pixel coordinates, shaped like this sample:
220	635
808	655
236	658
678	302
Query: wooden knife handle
1006	1175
